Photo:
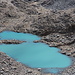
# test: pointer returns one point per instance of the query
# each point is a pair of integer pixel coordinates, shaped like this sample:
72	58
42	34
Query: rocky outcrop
11	42
57	22
64	39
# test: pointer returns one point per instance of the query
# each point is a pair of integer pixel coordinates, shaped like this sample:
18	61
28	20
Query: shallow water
34	55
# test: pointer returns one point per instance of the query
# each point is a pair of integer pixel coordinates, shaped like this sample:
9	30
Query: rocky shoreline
55	27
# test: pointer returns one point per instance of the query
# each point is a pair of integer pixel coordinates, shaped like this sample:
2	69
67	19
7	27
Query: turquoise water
35	55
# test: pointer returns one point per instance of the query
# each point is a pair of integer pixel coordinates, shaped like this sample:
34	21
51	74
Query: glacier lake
34	55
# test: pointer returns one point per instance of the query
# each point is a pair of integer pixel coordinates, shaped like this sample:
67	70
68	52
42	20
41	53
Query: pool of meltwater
34	55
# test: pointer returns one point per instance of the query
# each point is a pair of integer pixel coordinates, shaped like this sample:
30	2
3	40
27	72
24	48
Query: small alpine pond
34	55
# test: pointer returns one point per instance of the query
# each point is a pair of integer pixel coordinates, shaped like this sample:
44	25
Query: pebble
29	71
39	69
1	72
14	67
58	35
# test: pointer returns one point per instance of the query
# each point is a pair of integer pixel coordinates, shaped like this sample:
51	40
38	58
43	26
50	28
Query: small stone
14	67
57	35
7	70
68	49
2	68
36	41
35	73
68	54
29	71
39	69
1	72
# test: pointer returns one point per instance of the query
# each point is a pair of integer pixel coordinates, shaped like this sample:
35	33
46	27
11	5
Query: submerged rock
36	41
